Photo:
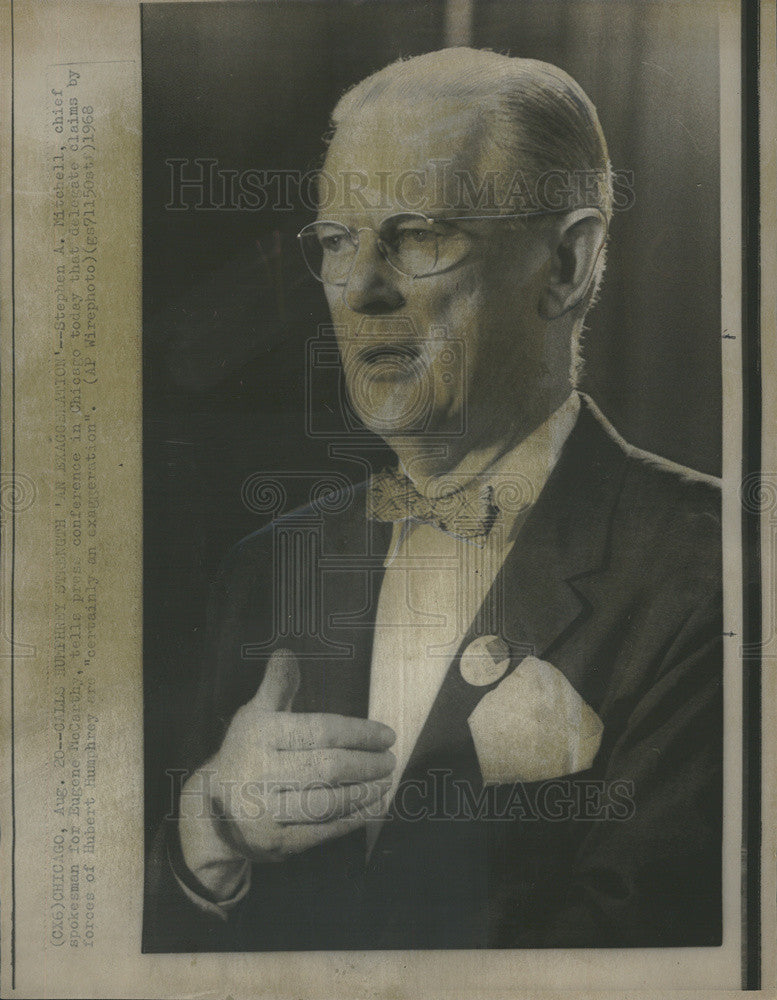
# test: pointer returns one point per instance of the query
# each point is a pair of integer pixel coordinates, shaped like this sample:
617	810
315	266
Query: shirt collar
518	476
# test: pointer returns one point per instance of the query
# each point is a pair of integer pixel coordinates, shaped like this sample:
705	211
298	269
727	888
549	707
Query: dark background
228	307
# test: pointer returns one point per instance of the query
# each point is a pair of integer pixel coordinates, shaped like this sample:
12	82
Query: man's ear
578	239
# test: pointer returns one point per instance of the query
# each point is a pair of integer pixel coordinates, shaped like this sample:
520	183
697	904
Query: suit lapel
537	599
564	539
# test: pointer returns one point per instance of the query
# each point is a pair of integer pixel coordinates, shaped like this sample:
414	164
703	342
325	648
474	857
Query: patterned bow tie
466	513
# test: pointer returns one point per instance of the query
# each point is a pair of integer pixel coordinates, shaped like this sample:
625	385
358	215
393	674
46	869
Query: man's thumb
281	680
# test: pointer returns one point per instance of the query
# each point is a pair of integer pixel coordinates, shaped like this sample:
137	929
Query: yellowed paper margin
78	770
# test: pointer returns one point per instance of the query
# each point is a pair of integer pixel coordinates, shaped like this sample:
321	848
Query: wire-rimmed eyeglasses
414	244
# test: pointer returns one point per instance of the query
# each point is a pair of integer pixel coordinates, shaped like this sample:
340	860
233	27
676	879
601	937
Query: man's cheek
334	300
455	307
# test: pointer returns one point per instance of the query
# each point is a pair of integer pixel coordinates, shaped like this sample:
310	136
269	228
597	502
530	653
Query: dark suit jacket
615	578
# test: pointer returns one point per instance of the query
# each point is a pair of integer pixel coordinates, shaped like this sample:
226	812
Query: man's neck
437	467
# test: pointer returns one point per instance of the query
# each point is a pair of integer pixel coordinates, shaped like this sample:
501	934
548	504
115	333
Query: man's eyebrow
402	217
328	219
453	220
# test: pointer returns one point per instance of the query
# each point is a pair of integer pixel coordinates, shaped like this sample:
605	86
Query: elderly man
497	720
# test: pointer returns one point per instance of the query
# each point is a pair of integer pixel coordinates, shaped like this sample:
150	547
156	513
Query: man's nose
371	287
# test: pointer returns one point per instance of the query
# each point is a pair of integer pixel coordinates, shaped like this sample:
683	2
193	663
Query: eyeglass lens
410	243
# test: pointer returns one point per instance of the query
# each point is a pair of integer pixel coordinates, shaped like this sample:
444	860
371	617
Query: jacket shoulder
670	516
676	495
667	517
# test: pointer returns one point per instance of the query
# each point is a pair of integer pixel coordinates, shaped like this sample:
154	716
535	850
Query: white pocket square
534	726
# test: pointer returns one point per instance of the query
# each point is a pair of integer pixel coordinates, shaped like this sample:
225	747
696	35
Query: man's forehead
412	123
391	156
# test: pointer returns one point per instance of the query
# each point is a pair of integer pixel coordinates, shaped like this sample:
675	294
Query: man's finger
280	683
302	836
324	803
332	767
306	731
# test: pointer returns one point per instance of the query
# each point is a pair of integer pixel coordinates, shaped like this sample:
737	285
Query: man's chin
391	409
396	434
410	437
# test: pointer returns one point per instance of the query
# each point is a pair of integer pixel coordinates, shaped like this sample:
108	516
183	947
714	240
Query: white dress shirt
435	584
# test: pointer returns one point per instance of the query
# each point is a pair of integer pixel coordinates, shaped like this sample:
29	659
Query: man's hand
281	782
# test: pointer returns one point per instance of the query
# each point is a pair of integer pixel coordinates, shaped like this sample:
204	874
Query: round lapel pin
485	660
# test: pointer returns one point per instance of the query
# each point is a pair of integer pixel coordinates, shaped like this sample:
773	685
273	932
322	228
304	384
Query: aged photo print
433	578
388	523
